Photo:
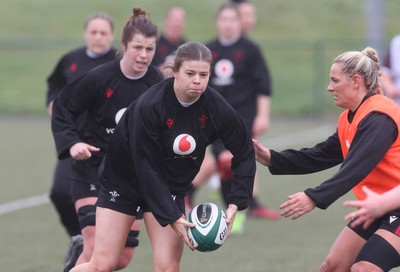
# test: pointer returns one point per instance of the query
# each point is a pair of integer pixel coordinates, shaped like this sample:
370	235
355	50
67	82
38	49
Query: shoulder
251	45
153	95
154	73
217	103
212	43
80	51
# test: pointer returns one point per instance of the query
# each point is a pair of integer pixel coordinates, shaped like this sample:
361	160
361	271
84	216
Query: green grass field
299	39
32	239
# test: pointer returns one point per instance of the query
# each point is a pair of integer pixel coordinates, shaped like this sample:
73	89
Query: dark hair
191	51
99	15
229	5
139	22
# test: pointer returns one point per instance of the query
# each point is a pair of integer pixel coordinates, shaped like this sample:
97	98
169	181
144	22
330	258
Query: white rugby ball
210	229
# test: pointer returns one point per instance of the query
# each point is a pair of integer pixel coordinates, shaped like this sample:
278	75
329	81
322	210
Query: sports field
32	238
299	39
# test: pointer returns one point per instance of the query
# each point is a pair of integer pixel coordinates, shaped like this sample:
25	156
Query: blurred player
98	36
241	76
172	35
86	113
391	71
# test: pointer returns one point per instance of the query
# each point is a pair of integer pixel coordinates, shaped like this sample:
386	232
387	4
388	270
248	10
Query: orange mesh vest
386	174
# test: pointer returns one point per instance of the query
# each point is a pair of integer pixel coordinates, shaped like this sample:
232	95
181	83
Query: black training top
240	74
375	134
163	49
73	65
159	145
98	99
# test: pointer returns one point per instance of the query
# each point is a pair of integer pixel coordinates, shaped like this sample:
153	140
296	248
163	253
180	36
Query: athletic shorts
123	203
82	190
389	222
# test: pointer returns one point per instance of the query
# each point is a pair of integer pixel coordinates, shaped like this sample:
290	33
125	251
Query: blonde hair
364	63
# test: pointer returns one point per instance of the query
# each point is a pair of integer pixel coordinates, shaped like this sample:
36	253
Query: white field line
24	203
279	142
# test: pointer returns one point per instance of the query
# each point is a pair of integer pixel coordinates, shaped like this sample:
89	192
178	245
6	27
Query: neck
129	72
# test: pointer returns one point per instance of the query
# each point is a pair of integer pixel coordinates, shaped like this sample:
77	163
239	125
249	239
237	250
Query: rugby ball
210	229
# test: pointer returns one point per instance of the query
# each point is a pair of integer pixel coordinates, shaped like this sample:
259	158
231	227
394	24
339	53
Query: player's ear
356	80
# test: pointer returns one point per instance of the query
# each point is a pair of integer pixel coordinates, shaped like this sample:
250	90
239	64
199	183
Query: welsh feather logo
184	144
114	195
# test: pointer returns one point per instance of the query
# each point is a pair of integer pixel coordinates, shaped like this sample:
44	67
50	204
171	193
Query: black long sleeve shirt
375	134
159	145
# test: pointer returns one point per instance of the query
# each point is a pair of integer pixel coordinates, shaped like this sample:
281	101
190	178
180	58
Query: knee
364	267
125	258
328	265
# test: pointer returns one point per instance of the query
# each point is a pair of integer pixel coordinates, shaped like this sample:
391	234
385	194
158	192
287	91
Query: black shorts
82	190
124	203
366	233
391	222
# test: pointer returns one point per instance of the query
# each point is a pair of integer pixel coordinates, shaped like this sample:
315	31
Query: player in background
155	153
248	16
172	35
87	111
98	36
248	19
367	145
240	74
390	77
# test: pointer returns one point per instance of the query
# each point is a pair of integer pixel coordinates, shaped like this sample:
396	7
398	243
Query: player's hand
82	151
181	226
260	125
230	216
50	108
263	155
297	205
368	209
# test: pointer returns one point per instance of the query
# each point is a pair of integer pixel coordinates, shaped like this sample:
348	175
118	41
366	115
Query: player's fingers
297	215
188	243
367	223
92	148
287	203
352	203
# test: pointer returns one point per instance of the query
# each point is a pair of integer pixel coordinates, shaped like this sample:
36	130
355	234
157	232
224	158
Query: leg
112	229
61	198
343	252
166	244
87	211
257	210
380	253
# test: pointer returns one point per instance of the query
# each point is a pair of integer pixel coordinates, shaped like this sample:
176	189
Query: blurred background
299	39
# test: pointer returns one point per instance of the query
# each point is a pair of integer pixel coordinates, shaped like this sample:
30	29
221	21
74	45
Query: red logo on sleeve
73	67
109	92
